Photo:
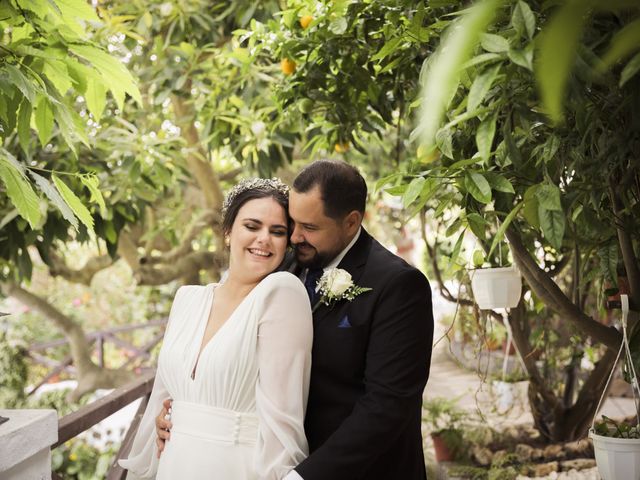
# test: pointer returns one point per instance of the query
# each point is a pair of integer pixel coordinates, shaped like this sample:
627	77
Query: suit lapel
353	262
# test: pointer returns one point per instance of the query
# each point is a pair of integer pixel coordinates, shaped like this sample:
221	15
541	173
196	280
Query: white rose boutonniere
335	285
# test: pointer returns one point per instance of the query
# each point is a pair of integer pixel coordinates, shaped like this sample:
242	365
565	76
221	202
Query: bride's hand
163	425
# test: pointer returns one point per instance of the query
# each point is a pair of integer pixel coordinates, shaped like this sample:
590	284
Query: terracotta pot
444	453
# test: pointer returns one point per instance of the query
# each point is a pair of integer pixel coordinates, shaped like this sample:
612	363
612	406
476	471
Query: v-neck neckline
202	348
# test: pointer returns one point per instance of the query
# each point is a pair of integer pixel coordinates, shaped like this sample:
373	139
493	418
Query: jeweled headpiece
264	184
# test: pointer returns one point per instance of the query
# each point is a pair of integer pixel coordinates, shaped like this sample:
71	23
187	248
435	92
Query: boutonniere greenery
335	285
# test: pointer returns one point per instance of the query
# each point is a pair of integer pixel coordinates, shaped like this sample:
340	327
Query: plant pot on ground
446	422
447	444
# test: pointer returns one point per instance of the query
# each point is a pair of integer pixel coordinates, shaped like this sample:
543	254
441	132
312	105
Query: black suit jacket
368	373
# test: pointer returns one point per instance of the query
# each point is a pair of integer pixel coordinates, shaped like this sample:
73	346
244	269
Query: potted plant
510	390
617	449
617	444
495	287
445	421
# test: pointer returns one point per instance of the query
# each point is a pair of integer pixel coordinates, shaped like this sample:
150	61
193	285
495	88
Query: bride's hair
251	189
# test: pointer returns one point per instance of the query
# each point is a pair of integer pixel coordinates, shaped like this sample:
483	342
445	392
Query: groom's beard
316	260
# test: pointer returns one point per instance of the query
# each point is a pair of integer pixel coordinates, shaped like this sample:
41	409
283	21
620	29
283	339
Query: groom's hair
342	187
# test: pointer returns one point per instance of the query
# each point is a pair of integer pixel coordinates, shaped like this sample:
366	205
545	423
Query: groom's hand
163	425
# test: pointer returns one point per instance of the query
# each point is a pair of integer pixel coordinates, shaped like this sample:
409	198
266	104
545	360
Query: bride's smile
258	240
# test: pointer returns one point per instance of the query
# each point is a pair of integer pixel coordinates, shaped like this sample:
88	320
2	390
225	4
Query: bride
235	359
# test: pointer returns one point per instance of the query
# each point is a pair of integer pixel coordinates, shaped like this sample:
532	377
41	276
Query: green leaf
609	262
413	191
454	227
503	228
499	183
523	58
630	70
552	223
338	26
456	251
52	194
623	43
513	152
387	48
95	97
444	142
523	19
74	202
443	68
391	65
478	258
557	52
531	204
58	74
113	71
385	180
93	184
19	190
44	120
78	9
477	186
24	125
484	136
21	82
480	87
548	196
494	43
550	148
480	59
464	163
477	224
396	190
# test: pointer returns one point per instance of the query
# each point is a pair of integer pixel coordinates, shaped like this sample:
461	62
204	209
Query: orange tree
564	193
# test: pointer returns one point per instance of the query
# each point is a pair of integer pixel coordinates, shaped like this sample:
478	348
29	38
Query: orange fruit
341	147
287	66
305	21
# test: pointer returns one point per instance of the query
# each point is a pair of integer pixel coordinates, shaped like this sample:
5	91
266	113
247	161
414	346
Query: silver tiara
266	184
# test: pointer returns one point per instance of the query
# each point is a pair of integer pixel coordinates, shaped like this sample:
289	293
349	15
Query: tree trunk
90	376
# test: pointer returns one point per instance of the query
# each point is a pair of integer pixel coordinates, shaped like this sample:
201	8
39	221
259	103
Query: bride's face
258	239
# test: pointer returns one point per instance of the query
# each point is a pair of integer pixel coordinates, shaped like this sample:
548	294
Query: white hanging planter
496	287
617	458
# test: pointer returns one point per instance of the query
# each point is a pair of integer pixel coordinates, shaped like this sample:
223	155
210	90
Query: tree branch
545	288
520	338
626	247
186	266
208	218
201	169
83	275
90	376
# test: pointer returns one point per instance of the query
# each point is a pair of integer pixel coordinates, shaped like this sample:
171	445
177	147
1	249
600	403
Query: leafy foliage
610	428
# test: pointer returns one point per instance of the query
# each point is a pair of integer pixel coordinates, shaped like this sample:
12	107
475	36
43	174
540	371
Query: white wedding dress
241	416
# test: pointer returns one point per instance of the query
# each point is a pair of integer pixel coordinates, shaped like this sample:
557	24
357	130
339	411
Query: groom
371	355
370	358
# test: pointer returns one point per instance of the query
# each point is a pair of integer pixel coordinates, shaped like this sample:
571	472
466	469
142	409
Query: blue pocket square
344	323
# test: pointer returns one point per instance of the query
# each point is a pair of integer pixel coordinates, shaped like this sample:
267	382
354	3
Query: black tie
313	274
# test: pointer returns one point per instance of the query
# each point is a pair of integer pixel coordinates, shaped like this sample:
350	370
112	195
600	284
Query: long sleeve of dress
285	337
142	462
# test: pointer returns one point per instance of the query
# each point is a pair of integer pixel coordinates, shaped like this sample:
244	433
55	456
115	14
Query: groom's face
316	238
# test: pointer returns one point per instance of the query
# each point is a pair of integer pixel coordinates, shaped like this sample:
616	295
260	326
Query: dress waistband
214	423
